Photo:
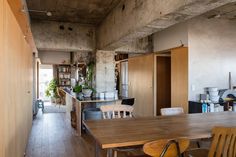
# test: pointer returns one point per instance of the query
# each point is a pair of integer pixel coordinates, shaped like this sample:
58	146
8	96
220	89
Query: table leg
109	153
97	152
78	118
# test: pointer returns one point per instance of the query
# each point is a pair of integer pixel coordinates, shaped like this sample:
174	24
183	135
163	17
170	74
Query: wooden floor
52	136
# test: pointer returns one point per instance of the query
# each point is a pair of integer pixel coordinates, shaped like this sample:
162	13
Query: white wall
212	54
212	51
170	37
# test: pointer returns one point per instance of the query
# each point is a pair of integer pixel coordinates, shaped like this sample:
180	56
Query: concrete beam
135	19
143	45
60	36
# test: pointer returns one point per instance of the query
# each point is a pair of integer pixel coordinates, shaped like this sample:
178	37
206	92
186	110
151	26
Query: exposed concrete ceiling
80	11
227	11
144	17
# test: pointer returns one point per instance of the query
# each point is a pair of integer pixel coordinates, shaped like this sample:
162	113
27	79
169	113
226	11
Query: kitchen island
73	103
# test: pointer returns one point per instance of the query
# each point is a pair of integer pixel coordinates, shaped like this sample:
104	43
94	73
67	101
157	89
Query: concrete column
105	71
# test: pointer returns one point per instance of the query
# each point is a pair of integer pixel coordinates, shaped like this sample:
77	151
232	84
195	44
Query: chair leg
198	144
115	153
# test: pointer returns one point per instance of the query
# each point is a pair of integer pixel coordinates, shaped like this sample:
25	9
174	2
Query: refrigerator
124	78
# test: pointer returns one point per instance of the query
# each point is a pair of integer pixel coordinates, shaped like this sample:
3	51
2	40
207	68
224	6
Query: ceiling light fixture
49	13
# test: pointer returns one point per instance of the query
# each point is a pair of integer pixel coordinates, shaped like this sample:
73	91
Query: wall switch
193	88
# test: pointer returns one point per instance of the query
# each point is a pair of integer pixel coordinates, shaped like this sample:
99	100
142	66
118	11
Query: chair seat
196	153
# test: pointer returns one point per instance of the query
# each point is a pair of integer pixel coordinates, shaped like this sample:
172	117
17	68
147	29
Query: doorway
45	76
163	82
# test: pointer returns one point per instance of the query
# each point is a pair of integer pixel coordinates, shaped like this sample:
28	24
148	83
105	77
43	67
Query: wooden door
179	78
163	83
140	74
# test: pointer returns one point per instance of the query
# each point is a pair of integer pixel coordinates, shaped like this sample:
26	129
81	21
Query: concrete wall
212	54
57	57
171	37
54	57
105	71
49	36
143	45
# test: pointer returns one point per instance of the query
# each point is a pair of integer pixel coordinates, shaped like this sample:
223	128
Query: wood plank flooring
52	136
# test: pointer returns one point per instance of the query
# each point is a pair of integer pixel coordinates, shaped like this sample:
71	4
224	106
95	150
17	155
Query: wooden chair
62	96
179	111
223	144
129	101
166	147
172	111
116	111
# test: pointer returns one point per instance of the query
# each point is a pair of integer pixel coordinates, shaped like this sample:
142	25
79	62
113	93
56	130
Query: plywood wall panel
179	78
140	74
2	106
16	84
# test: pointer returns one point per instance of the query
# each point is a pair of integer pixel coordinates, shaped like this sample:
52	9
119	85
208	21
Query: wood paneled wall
141	73
16	85
2	107
179	78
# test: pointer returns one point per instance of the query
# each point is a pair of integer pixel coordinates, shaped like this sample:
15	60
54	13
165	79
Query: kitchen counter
196	106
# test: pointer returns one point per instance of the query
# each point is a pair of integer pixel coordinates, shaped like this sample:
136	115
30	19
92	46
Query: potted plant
78	90
51	90
87	88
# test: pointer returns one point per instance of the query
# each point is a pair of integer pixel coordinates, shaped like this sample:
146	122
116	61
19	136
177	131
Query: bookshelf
64	75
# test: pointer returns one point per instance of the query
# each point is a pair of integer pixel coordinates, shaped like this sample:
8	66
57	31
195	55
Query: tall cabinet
148	82
140	84
179	78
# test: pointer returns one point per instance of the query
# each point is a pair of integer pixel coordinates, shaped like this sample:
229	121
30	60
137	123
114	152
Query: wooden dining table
115	133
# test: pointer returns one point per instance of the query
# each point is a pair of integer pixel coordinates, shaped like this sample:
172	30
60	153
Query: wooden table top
137	131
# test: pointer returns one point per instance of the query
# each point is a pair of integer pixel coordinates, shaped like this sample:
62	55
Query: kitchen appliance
124	79
227	93
213	94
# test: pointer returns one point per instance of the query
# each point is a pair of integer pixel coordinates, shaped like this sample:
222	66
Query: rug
54	109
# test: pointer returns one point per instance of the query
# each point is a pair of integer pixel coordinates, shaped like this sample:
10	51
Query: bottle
204	108
212	107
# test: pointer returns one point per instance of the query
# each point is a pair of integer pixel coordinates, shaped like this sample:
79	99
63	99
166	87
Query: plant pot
53	100
79	95
87	92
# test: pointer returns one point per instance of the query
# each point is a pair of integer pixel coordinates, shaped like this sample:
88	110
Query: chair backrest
116	111
166	147
172	111
129	101
224	142
60	93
